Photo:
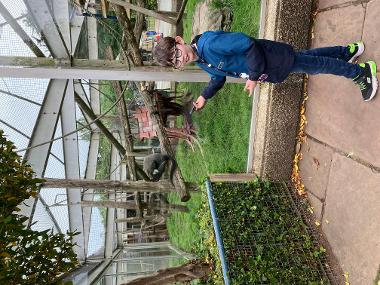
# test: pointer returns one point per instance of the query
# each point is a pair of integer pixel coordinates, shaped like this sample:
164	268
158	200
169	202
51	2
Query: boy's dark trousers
328	60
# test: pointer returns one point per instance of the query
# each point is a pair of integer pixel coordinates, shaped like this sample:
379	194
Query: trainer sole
375	82
358	53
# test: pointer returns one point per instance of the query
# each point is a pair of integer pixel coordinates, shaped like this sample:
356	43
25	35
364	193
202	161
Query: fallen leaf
350	154
301	138
317	223
327	221
298	147
346	275
316	161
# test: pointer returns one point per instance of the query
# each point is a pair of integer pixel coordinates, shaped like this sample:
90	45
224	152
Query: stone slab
352	209
338	26
338	116
371	35
323	4
315	167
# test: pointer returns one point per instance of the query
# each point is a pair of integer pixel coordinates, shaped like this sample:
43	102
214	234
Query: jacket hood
204	38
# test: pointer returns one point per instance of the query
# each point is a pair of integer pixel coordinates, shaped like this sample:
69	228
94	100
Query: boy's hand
250	86
201	101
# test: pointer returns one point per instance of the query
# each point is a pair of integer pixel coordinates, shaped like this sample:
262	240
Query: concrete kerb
279	104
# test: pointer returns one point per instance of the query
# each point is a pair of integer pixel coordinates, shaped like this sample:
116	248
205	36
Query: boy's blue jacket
261	60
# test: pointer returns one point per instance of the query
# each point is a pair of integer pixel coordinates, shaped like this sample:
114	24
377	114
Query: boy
224	54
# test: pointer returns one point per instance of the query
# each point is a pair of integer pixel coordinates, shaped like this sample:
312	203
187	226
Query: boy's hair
164	51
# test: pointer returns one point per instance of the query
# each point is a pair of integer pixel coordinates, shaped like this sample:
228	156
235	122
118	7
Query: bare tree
135	57
185	273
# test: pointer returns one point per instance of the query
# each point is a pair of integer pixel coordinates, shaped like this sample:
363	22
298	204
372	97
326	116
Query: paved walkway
341	158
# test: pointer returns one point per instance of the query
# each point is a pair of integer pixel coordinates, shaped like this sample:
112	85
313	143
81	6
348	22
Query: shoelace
362	85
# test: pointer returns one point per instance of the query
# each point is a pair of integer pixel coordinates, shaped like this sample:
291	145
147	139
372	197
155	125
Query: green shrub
27	256
265	240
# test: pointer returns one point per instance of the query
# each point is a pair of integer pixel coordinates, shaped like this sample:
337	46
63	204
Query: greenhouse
121	166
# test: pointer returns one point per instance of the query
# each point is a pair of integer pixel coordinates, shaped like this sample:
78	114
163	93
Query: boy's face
184	53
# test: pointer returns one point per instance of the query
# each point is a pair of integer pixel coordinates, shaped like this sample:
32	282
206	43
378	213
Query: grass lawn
222	126
180	223
223	130
246	14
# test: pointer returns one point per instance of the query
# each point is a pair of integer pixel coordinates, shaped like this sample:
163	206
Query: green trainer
367	81
355	50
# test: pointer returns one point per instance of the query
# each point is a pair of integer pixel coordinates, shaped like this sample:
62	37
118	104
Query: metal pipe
218	237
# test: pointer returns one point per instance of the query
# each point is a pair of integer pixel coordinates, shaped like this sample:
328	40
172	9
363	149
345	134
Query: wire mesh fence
22	111
11	44
267	236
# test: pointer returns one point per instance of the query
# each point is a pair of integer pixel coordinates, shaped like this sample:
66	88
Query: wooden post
130	205
87	110
181	11
128	186
123	116
161	186
105	5
195	269
144	11
139	22
135	219
169	13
